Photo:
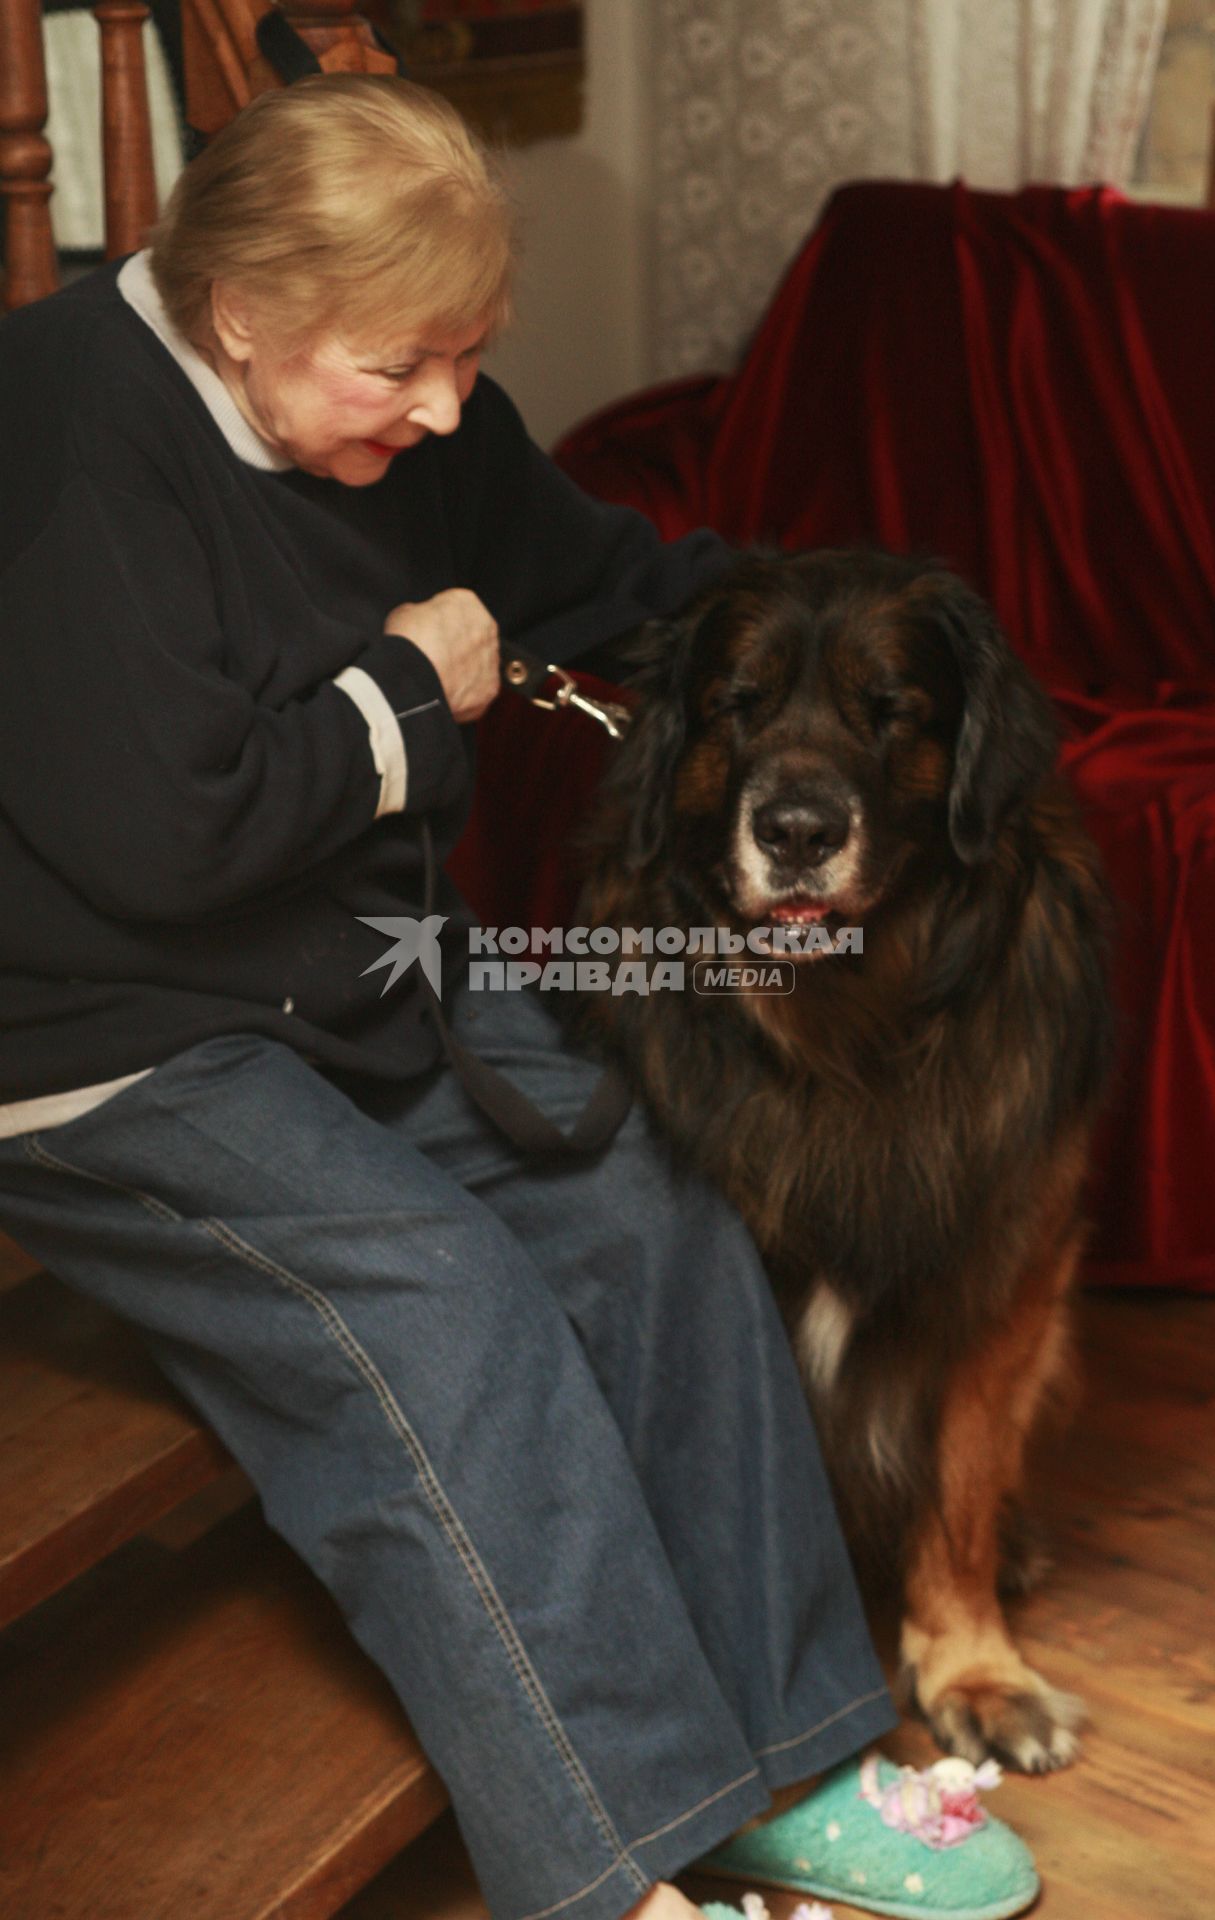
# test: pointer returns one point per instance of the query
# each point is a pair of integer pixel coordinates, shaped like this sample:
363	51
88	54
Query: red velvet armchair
1022	385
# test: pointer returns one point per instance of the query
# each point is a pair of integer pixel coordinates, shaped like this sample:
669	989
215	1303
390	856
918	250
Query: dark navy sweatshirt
188	830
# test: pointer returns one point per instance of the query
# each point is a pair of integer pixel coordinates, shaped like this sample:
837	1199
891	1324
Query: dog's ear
1007	737
644	770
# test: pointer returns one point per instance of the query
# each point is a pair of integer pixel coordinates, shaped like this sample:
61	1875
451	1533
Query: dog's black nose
800	833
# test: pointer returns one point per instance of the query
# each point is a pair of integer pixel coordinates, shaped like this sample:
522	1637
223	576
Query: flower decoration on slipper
755	1908
938	1804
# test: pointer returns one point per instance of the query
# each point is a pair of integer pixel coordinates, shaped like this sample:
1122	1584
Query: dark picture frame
514	68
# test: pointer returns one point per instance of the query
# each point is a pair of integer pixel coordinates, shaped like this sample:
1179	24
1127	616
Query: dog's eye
727	698
894	705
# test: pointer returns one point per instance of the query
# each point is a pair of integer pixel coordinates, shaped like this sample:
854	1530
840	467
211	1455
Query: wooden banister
224	67
126	127
25	157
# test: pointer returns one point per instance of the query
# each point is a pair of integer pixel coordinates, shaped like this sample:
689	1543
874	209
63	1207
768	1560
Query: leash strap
501	1101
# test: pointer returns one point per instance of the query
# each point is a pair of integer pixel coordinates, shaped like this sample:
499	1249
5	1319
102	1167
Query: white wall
579	339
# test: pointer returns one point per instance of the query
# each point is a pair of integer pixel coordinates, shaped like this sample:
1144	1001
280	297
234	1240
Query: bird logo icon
411	940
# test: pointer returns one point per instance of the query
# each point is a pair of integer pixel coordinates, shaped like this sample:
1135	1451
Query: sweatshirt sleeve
564	574
139	768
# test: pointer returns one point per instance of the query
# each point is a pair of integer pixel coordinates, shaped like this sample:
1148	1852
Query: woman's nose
437	407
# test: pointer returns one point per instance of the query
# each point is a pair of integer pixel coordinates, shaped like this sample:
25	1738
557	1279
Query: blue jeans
537	1427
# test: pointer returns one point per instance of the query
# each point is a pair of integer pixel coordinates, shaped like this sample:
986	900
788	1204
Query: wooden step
95	1445
195	1736
434	1880
15	1264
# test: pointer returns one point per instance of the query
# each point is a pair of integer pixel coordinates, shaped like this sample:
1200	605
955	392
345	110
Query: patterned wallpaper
758	111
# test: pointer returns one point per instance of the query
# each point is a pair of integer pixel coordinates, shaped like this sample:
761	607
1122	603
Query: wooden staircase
187	1730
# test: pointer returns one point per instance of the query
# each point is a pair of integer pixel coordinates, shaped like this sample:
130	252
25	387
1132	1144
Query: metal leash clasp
610	714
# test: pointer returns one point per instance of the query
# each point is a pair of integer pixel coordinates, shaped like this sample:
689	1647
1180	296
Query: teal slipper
843	1842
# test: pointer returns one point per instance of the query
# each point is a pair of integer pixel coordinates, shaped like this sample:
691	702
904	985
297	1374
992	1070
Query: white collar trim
138	289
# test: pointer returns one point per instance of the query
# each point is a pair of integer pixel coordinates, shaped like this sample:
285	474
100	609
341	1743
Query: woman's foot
664	1902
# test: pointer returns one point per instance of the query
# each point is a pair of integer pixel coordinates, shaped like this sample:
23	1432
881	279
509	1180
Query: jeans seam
457	1535
542	1913
782	1746
752	1773
35	1151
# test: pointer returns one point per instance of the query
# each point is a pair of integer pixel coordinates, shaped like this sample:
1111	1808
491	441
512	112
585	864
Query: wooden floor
1127	1619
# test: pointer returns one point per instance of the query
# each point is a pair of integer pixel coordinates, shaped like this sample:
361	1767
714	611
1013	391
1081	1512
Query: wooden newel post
25	157
126	129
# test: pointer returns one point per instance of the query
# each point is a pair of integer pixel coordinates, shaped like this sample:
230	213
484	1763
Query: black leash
498	1098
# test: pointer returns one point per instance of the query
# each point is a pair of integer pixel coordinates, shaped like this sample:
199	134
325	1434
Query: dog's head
813	728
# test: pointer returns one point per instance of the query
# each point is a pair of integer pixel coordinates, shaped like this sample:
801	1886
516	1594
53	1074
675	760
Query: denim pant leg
662	1282
423	1425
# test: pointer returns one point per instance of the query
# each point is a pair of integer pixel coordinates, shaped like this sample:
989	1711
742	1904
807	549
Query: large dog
845	739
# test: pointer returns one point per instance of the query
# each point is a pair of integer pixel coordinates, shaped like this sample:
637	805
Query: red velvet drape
1020	384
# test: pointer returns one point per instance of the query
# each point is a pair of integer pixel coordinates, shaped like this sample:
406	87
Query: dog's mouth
802	927
797	912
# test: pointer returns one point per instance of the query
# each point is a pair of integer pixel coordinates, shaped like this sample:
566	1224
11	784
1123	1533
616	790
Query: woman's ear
231	321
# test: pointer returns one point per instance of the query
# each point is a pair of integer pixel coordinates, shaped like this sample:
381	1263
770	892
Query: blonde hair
351	202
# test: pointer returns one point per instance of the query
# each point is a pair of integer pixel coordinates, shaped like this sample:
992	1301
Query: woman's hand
459	636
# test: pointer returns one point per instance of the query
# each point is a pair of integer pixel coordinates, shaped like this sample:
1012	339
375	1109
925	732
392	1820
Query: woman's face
341	413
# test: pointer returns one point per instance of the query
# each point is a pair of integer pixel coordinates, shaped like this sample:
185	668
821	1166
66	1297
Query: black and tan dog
845	739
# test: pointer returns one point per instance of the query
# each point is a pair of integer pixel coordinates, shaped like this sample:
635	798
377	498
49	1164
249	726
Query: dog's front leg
966	1676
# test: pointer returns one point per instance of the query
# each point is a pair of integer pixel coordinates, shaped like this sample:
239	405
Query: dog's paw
1028	1728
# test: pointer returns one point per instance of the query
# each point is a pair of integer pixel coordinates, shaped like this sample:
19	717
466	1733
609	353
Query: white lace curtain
1005	91
763	106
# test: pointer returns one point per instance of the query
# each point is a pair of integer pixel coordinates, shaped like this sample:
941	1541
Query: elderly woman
533	1422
